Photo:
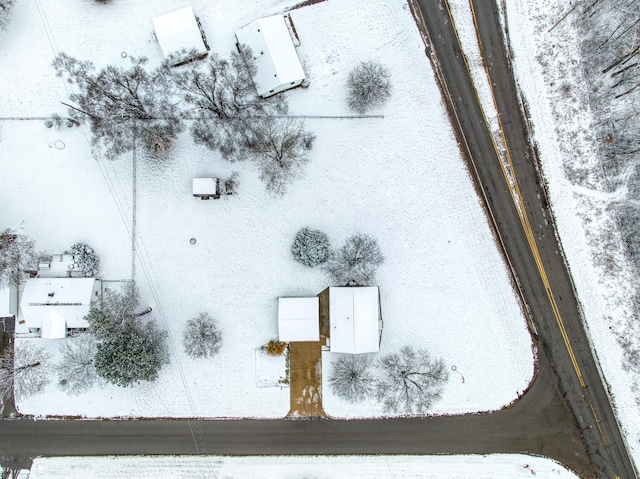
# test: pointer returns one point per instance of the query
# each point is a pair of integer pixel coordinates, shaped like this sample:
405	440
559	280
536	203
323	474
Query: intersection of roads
566	413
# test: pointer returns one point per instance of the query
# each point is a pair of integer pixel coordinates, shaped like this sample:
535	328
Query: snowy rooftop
277	61
68	297
298	319
205	186
53	326
7	301
179	30
354	316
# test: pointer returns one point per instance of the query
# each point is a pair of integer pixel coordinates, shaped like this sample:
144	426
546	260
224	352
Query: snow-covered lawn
284	467
401	179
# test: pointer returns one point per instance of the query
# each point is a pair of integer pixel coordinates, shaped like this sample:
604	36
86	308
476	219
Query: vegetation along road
565	414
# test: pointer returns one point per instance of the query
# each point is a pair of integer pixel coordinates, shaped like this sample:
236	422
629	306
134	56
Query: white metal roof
299	319
205	186
53	326
354	319
276	57
68	297
177	30
8	300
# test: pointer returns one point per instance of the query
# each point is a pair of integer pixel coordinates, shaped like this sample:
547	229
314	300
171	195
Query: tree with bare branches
356	262
410	381
351	377
122	105
223	100
17	257
76	370
368	86
25	371
280	149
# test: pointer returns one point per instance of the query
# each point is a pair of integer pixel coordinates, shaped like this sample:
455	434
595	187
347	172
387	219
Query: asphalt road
552	303
540	422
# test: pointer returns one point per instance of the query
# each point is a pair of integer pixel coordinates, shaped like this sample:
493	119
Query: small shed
206	188
179	31
298	319
351	318
279	67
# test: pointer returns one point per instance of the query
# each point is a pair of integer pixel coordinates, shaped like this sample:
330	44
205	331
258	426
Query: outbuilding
351	319
273	49
206	188
54	305
298	319
179	32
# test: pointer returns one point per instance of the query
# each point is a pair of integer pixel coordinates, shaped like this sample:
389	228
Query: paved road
540	422
537	260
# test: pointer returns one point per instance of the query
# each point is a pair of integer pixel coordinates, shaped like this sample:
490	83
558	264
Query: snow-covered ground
443	285
283	467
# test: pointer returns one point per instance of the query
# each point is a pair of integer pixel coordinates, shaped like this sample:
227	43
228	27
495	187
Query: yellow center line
514	190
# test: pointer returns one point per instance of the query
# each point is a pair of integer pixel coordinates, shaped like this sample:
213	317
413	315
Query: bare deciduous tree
410	381
202	338
224	101
280	148
368	86
26	371
17	257
76	369
122	104
356	262
351	377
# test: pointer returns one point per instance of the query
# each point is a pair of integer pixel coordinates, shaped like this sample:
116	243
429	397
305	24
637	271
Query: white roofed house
273	48
180	33
55	305
351	319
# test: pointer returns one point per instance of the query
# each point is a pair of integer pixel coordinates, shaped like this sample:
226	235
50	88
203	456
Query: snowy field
401	179
581	212
513	466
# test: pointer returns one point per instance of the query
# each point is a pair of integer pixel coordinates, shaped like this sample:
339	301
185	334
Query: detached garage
179	31
279	67
298	319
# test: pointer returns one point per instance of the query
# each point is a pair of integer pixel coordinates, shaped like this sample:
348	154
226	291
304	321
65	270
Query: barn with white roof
179	31
54	305
273	49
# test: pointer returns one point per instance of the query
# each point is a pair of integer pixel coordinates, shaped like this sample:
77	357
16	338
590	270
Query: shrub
202	338
311	247
85	259
355	263
276	348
